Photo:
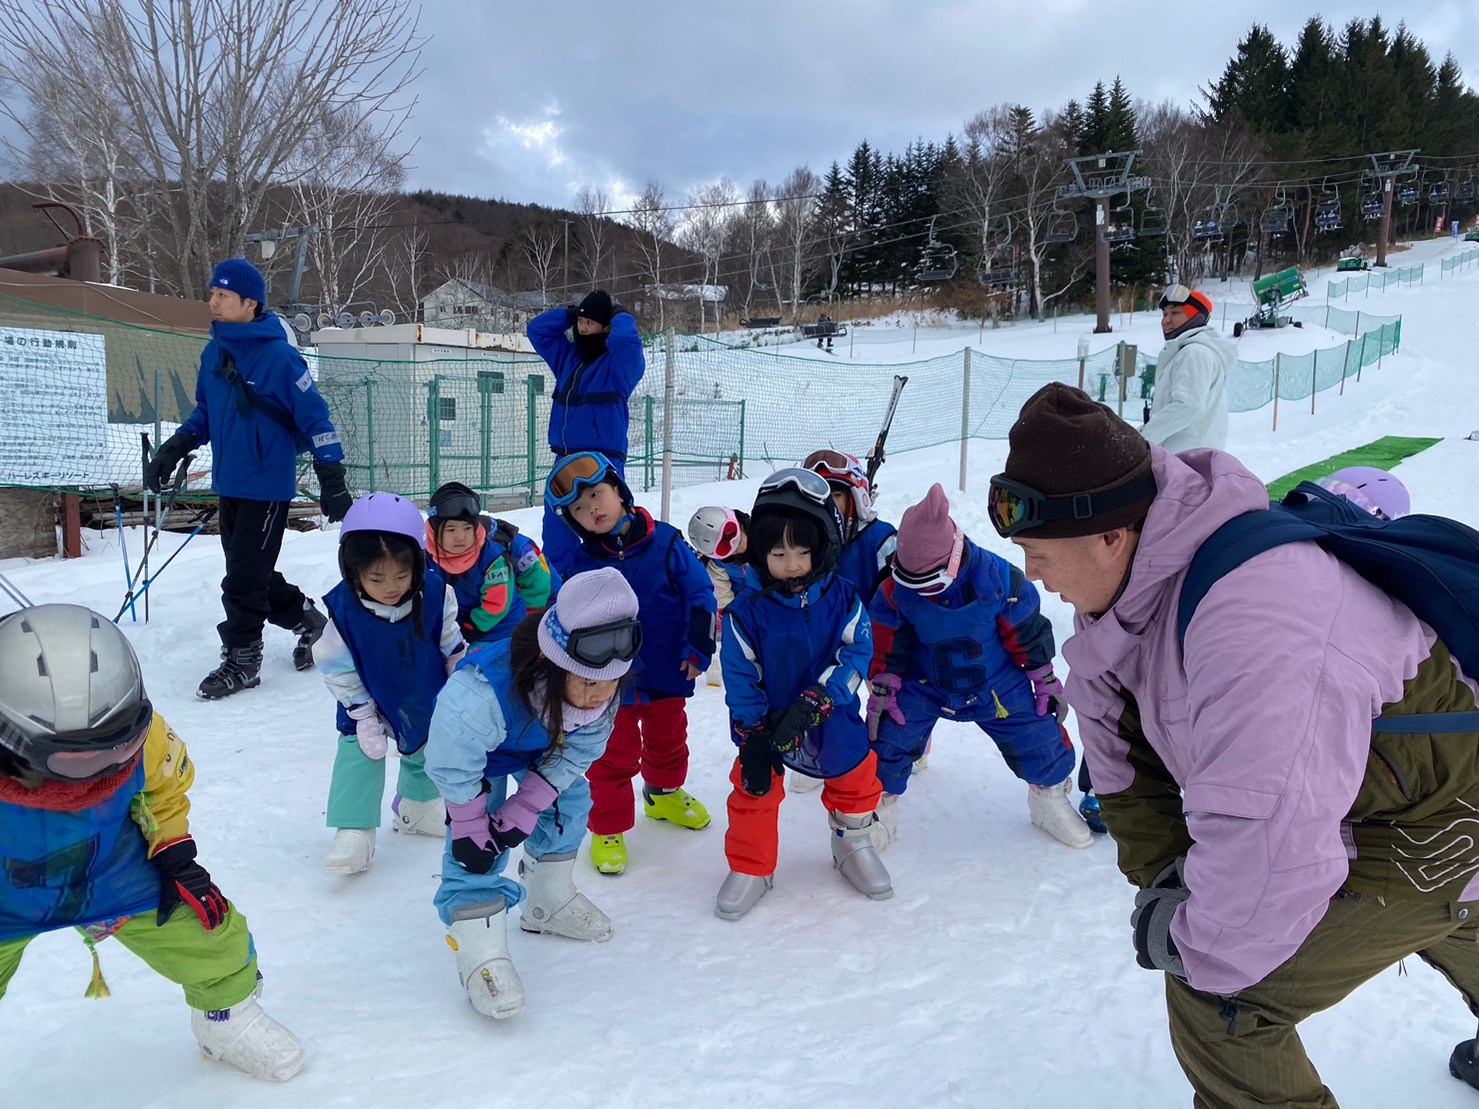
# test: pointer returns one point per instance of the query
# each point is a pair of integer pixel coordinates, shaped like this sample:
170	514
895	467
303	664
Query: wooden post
71	525
1278	366
965	416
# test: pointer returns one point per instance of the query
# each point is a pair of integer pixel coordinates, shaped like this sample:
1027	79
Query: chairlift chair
1371	207
1062	226
938	261
1327	212
1407	195
1121	226
1465	192
1153	222
997	276
1275	219
1208	225
1438	193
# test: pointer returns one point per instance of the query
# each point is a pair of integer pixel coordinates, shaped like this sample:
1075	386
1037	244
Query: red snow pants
751	844
650	739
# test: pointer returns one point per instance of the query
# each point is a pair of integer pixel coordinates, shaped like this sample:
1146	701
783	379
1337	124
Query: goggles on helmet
834	466
1015	508
598	645
809	484
936	581
85	757
456	506
573	476
1181	296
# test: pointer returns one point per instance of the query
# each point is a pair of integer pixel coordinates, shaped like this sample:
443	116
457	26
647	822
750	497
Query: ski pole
142	574
144	586
13	591
144	477
122	540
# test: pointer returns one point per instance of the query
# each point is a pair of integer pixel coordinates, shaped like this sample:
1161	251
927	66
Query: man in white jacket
1190	404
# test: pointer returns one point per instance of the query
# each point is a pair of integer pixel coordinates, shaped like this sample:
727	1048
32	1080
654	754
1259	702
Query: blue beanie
237	275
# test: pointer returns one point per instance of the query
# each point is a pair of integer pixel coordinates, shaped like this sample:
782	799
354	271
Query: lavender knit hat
586	601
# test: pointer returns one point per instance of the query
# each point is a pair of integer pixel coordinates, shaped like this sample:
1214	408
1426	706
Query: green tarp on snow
1383	454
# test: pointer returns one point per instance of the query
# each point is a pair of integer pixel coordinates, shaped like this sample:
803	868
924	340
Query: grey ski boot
739	894
853	853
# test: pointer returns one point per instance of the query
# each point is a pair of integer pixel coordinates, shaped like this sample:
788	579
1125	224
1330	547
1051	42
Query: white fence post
965	416
669	393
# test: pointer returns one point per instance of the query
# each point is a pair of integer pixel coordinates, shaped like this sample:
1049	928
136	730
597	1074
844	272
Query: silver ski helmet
388	514
72	700
715	531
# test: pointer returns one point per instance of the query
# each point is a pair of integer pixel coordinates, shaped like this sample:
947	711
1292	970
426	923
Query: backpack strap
255	400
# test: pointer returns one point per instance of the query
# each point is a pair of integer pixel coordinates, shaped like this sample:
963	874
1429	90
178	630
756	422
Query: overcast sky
530	102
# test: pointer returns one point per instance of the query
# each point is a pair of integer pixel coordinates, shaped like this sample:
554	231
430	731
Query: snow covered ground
1000	974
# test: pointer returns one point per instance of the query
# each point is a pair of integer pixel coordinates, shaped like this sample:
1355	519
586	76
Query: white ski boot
419	818
1053	813
739	894
802	783
854	855
479	935
554	906
886	827
351	851
248	1039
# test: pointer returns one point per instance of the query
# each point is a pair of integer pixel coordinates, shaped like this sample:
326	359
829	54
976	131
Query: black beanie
1066	442
596	306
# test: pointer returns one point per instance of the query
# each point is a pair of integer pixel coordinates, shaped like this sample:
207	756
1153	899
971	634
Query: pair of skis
876	455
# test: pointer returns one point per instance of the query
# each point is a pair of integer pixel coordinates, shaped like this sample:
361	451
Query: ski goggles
933	582
832	465
599	645
573	476
1015	508
86	758
456	506
809	484
1180	296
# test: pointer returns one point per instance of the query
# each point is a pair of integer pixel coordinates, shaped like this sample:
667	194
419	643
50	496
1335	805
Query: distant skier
825	330
597	367
94	823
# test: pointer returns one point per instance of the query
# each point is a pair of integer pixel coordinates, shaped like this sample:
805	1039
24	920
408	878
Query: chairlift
997	241
997	276
1465	192
1062	226
1371	206
1121	226
1438	193
937	262
1153	221
1275	219
1407	195
1327	210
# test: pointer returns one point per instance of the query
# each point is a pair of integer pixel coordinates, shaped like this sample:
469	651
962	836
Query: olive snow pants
1244	1051
217	969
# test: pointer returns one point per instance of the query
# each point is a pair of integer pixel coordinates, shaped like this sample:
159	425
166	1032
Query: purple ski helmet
1377	491
393	515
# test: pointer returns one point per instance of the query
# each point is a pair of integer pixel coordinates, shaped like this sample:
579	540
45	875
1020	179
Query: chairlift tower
1101	177
1386	167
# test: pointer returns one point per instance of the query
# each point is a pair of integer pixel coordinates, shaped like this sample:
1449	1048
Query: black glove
333	490
181	878
758	764
810	709
1151	921
475	859
166	459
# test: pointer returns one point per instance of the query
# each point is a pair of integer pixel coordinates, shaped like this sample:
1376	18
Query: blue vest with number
525	740
402	670
66	868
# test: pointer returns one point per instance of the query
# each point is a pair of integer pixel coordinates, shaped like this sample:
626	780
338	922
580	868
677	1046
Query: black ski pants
253	593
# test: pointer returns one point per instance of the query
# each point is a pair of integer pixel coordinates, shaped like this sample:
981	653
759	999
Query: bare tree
705	231
1039	155
595	226
405	263
210	93
654	225
795	207
751	233
976	190
539	243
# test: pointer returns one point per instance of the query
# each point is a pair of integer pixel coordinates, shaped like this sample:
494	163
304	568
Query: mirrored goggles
573	476
810	485
456	506
933	582
99	757
1015	508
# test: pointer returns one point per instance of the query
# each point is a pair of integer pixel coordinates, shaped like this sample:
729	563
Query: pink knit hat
927	535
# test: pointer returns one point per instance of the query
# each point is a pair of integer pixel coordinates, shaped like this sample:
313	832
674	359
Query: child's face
788	562
598	510
386	582
586	694
843	501
457	537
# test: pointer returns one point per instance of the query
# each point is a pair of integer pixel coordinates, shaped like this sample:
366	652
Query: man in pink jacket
1284	852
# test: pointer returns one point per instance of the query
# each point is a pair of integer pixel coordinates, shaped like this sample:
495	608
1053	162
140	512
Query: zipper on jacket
1392	772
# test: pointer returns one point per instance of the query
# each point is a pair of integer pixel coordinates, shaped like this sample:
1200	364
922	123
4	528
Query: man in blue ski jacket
257	405
597	367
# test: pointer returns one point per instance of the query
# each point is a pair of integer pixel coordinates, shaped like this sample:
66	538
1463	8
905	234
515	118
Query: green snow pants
1244	1051
218	969
357	789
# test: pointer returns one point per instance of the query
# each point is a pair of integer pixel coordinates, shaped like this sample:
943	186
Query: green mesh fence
1459	262
74	414
1373	280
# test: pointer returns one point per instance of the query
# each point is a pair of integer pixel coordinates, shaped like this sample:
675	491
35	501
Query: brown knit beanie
1065	442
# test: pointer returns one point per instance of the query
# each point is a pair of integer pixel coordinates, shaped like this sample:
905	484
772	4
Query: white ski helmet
72	700
715	531
845	474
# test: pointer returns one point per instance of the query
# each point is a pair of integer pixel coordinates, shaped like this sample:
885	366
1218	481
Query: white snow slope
1000	974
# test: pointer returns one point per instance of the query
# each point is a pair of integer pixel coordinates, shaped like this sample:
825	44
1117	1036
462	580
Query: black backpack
1429	563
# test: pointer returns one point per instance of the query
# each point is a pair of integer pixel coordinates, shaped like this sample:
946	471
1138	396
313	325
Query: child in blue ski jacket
957	634
538	709
678	613
498	574
392	639
597	367
867	542
794	657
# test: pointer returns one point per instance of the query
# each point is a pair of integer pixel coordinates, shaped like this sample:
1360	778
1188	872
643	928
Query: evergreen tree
1254	84
1119	119
1093	133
